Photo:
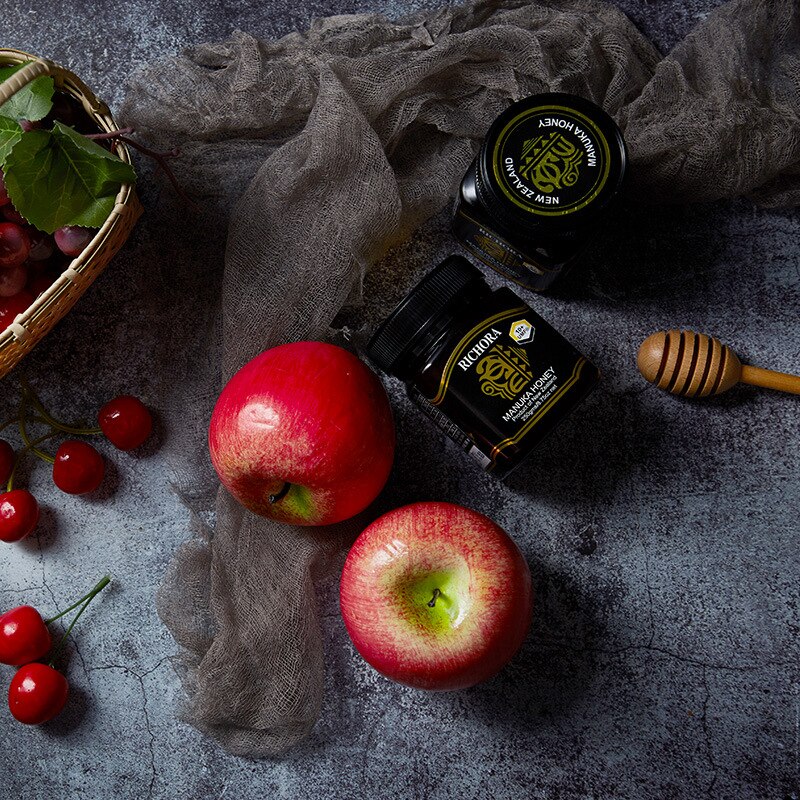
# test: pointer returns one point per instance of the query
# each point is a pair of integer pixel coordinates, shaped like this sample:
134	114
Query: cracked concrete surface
662	534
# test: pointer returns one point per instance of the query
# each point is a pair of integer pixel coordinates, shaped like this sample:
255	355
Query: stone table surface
662	534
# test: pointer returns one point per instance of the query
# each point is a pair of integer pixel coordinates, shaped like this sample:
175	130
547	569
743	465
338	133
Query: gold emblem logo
504	372
550	162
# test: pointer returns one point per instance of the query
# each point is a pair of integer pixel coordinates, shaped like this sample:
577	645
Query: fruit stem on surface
432	602
274	498
26	440
86	600
15	421
34	400
29	446
38	440
87	596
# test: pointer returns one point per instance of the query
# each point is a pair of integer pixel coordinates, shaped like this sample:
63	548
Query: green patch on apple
434	601
299	501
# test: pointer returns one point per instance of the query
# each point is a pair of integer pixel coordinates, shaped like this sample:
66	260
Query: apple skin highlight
481	613
307	414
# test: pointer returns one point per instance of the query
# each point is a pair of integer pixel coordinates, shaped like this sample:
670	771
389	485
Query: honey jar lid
551	162
418	310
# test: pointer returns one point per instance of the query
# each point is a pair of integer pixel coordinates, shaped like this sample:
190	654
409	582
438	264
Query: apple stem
274	498
432	601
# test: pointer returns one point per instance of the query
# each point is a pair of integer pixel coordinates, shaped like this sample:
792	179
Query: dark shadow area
426	463
642	246
739	395
556	665
586	458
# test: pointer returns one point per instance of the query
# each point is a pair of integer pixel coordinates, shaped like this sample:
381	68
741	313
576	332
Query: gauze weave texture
322	150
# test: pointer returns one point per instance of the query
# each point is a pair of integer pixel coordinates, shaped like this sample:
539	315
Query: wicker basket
50	306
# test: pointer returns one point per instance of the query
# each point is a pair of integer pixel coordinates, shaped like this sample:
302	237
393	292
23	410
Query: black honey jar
545	177
482	364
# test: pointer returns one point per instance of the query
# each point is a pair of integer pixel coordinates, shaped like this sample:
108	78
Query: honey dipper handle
756	376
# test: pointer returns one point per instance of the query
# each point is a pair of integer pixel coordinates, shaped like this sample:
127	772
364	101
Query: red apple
303	433
436	596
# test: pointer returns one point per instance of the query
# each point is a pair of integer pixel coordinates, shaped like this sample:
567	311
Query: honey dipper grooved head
688	364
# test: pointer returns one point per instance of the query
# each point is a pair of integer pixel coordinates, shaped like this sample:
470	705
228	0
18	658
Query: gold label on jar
512	369
551	160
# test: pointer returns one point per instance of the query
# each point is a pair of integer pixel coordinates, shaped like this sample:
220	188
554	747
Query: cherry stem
29	397
87	596
15	421
274	498
86	600
51	421
108	134
432	602
29	445
159	158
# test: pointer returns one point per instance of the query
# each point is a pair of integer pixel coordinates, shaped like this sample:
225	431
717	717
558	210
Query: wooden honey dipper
696	365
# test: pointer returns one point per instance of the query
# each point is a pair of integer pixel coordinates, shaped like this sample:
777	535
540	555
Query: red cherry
71	240
6	460
37	694
78	467
15	244
4	198
24	636
126	422
10	307
19	513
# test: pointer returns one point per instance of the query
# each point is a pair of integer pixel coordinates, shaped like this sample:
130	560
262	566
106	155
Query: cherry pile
78	468
31	260
38	691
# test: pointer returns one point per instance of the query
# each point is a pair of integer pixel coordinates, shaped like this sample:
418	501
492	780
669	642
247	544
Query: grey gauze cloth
322	150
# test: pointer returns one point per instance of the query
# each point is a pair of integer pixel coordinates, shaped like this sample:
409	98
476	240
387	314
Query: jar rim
419	309
550	162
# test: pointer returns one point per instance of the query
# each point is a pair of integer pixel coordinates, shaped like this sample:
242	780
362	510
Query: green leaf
59	177
33	101
10	134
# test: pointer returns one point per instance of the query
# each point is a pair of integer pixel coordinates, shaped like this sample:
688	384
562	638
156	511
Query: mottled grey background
662	534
